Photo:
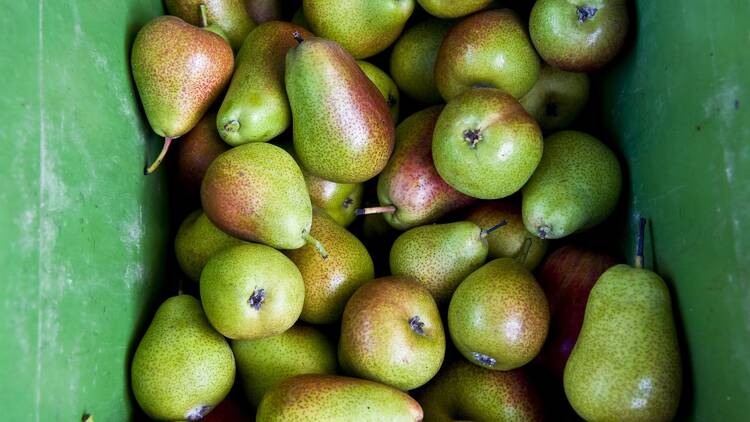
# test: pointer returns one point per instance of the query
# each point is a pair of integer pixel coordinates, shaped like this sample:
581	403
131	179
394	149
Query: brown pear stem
297	37
639	243
204	17
376	210
486	232
315	243
152	168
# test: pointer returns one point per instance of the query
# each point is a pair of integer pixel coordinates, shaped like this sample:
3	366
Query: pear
229	15
385	85
195	152
498	316
197	241
334	398
413	60
179	71
265	362
329	282
451	8
251	291
485	144
391	332
440	256
342	128
407	204
300	19
513	241
575	187
255	108
557	98
488	49
256	192
339	200
182	367
465	391
261	11
363	28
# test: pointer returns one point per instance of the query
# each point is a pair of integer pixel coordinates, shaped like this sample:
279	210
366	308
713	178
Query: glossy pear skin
179	71
182	367
343	130
339	200
557	98
488	49
466	391
256	192
485	144
430	197
439	256
229	15
256	108
385	85
576	186
336	399
264	363
451	8
195	152
331	281
626	362
363	28
498	316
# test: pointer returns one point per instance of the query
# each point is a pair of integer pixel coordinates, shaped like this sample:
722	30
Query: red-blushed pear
230	16
194	153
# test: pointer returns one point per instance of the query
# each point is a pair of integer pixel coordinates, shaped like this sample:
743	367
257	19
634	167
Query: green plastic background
84	234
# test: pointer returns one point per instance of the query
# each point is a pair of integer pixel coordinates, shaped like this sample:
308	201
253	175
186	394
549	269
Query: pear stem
152	168
204	17
639	242
297	37
316	243
486	232
523	254
376	210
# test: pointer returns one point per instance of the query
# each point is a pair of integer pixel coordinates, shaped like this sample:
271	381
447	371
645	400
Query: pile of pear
350	263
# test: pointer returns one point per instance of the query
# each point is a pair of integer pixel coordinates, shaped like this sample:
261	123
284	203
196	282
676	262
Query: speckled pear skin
485	144
575	187
256	192
413	60
363	28
195	152
439	256
197	240
179	71
466	391
508	242
451	8
391	332
331	281
339	200
626	363
182	367
490	49
410	180
571	39
498	317
384	84
333	398
265	362
556	98
261	11
229	15
256	108
251	291
342	127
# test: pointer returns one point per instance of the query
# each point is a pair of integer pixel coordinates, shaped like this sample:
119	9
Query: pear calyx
543	231
257	298
472	137
417	325
197	413
585	13
232	126
484	359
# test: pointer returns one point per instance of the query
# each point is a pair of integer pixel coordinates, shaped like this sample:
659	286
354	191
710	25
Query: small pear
195	152
339	200
451	8
229	15
385	85
556	98
182	367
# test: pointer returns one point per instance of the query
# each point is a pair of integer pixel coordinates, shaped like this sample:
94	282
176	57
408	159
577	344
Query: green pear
385	85
255	108
197	241
363	28
334	398
557	98
391	332
626	362
195	151
229	15
498	316
300	19
261	11
485	144
466	391
488	49
179	70
440	256
329	282
576	186
265	362
182	367
413	60
339	200
451	8
342	128
251	291
256	192
579	35
513	241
